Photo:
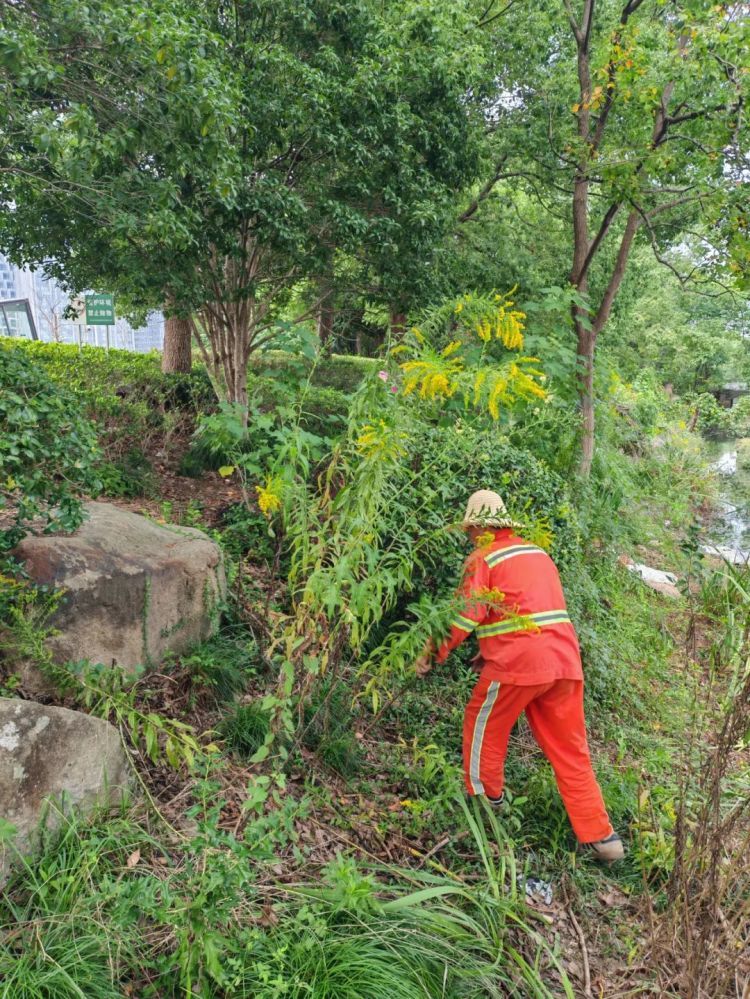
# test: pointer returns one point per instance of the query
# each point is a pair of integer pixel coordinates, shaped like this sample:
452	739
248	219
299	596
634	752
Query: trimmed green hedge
93	371
97	374
48	449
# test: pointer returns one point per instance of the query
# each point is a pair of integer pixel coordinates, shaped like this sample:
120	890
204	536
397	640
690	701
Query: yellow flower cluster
539	533
490	597
506	325
507	385
381	441
436	375
440	374
485	539
270	496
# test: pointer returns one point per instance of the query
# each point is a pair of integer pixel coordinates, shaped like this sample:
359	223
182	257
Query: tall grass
702	939
95	916
56	938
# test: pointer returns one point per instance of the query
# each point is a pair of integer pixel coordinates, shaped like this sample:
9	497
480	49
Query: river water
731	529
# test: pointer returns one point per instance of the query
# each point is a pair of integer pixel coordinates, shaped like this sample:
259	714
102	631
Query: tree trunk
177	351
326	313
398	324
586	347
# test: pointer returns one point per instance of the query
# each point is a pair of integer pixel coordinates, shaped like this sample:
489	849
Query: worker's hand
424	662
423	665
477	663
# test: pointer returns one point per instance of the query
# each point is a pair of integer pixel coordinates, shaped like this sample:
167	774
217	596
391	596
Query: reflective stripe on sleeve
464	623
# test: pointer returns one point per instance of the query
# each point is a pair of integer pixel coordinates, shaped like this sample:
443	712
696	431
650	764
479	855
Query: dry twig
584	954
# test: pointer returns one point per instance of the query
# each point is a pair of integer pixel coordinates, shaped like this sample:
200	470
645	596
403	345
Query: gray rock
133	589
735	556
662	582
53	760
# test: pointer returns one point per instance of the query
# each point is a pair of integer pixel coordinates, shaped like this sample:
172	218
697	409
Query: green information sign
100	310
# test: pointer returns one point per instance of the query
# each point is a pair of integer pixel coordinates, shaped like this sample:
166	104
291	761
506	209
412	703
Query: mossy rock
743	452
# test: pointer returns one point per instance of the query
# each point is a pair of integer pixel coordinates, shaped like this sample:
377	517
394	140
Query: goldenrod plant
366	529
482	363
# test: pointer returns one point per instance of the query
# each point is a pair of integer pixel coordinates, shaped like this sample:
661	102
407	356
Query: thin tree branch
578	35
607	221
484	20
587	23
618	272
485	192
658	209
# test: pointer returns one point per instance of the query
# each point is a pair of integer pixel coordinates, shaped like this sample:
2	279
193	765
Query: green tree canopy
210	155
624	121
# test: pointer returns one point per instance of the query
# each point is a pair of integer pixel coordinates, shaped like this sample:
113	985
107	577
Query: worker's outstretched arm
472	610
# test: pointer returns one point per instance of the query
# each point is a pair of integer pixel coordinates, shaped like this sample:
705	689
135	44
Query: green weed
104	912
327	729
223	665
128	476
245	532
244	729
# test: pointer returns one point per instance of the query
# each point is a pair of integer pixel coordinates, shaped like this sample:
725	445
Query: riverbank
730	527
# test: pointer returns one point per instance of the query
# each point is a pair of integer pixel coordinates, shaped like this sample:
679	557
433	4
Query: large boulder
132	589
53	760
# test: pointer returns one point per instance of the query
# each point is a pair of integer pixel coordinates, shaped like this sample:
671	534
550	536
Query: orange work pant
555	714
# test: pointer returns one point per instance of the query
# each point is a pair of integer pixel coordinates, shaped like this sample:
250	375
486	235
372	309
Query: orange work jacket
527	638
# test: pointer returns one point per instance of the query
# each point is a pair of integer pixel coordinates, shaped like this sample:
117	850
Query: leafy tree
695	342
210	155
625	122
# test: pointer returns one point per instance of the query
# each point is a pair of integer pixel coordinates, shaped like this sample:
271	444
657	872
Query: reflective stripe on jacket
528	638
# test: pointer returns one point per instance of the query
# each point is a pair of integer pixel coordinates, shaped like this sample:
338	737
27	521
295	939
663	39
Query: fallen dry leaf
614	898
268	917
133	859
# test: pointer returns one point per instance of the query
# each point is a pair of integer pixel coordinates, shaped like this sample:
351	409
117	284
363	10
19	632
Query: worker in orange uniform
529	660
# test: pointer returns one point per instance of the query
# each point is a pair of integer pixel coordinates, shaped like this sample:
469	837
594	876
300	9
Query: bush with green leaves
97	373
48	449
426	497
225	438
133	404
712	419
739	417
130	475
447	464
245	531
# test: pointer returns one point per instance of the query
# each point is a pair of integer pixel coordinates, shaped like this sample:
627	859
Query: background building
48	302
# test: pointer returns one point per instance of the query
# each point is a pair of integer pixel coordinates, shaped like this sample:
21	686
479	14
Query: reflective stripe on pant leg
478	737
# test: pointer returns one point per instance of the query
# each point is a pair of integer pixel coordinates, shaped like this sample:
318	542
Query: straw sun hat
486	509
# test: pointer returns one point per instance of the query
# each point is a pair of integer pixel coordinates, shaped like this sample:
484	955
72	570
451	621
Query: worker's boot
606	850
497	803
